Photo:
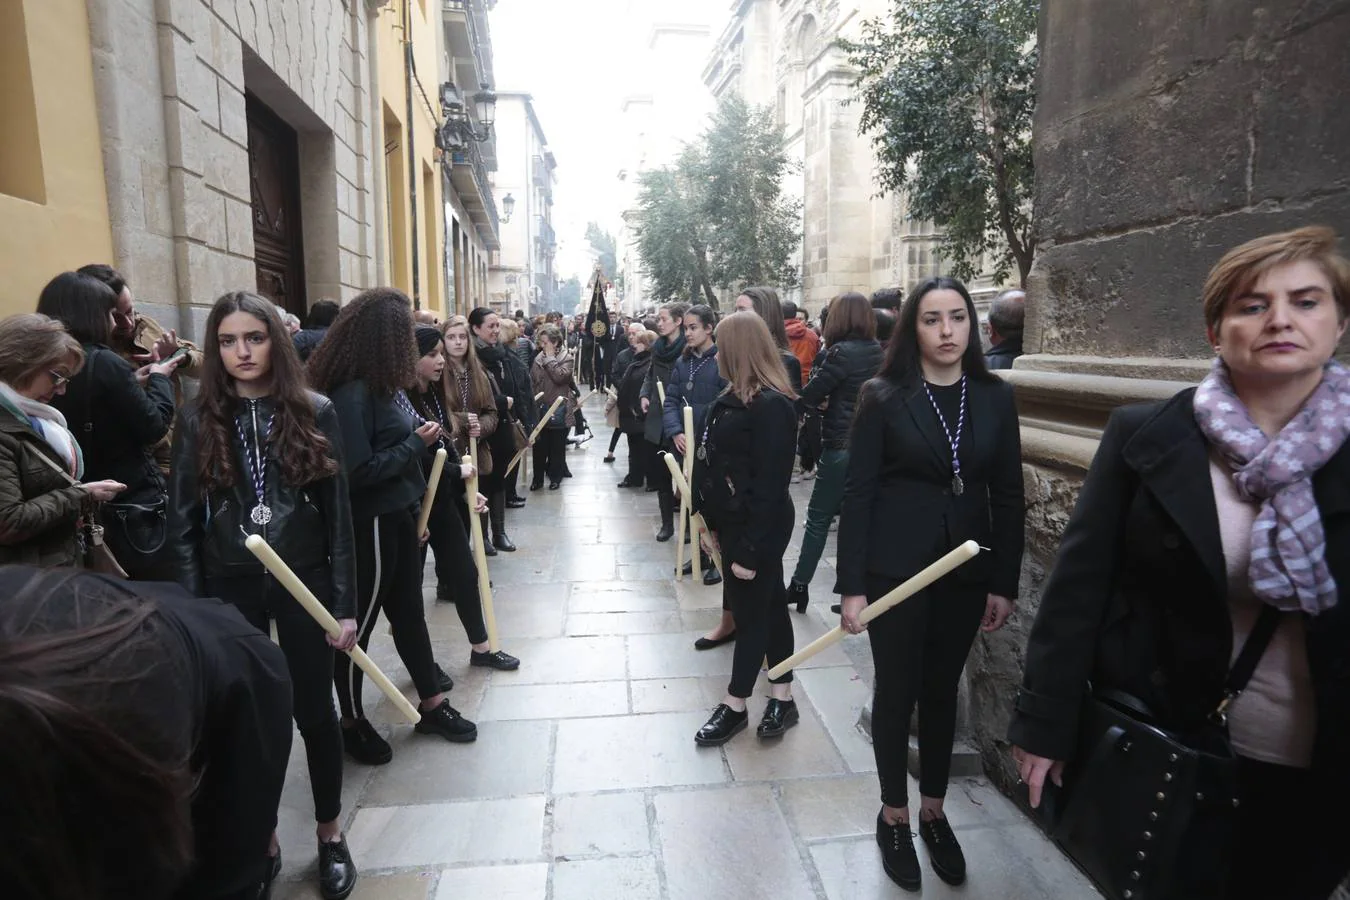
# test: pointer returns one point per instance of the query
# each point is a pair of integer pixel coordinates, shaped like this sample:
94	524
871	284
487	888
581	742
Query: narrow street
585	781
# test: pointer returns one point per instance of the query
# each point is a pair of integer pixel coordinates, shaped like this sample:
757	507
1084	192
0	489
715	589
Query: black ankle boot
797	594
485	529
897	853
497	515
721	726
667	502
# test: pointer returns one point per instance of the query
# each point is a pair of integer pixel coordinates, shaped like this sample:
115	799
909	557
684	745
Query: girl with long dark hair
514	401
742	472
368	356
117	415
456	572
668	348
258	453
934	460
472	398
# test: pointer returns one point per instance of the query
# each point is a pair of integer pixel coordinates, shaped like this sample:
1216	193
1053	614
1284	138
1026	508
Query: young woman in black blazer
743	465
934	460
368	356
257	453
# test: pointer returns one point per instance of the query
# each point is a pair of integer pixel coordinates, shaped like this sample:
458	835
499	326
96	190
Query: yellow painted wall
69	227
425	25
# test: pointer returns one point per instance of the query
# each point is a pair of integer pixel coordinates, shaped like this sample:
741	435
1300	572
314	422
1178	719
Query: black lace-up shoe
897	853
364	744
943	851
779	716
446	721
443	680
722	726
337	872
494	659
273	870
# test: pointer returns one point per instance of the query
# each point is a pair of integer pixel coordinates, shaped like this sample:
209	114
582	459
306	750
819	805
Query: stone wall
1164	135
171	77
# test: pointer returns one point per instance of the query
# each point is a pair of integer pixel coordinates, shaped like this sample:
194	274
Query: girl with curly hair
368	357
456	572
473	405
257	453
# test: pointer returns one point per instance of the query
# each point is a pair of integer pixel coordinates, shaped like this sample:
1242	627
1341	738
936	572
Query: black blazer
1138	600
899	513
741	487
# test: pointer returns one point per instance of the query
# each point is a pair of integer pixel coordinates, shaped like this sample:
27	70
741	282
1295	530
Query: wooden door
274	176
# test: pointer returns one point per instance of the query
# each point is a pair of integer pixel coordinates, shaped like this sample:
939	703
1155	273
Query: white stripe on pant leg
369	621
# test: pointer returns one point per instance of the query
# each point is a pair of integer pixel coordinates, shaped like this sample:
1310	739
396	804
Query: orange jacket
804	343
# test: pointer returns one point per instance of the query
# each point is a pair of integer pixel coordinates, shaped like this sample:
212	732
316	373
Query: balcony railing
544	232
474	16
470	179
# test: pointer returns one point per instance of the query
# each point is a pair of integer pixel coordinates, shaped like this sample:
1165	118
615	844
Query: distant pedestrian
321	315
1006	315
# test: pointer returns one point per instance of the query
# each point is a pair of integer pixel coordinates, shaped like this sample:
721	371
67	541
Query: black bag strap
1248	658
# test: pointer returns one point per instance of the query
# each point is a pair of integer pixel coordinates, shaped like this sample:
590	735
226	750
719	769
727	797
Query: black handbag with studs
1146	812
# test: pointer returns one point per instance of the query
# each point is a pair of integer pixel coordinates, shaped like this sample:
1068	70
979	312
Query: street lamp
458	127
508	207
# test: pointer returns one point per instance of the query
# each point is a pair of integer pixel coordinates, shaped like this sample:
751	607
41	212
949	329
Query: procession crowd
147	713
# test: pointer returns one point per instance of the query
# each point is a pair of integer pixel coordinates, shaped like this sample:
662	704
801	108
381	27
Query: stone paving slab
585	781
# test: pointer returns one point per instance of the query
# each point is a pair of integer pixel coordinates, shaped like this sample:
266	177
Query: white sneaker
808	475
796	479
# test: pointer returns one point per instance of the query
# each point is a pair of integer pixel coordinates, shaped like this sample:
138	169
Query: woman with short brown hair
41	499
1211	527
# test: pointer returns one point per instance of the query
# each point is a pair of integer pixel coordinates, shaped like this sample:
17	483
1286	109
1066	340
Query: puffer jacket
554	378
702	371
310	528
837	376
39	509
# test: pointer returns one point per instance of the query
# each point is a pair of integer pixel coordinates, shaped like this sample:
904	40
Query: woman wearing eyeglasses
41	499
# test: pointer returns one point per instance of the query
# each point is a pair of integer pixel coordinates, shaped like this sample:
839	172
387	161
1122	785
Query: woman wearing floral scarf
1199	513
41	501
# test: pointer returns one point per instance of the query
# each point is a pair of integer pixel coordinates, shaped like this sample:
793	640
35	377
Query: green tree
569	295
717	217
947	88
602	242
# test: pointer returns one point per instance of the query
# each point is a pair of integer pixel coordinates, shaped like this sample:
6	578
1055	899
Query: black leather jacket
838	375
311	526
383	455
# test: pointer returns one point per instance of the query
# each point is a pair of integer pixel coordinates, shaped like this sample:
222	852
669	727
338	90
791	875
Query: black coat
1001	355
632	420
793	365
307	339
1138	600
311	526
383	455
619	362
838	375
899	512
742	484
117	423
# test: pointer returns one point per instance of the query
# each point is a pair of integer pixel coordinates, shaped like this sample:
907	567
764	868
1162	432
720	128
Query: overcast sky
578	60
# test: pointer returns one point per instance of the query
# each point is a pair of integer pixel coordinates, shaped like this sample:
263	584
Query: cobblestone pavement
585	781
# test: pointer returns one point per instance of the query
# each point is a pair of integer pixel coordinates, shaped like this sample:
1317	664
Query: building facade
202	147
522	275
784	54
468	151
666	107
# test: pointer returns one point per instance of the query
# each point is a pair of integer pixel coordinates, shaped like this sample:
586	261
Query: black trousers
550	458
763	628
387	577
641	459
614	439
919	649
456	572
1292	838
310	660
